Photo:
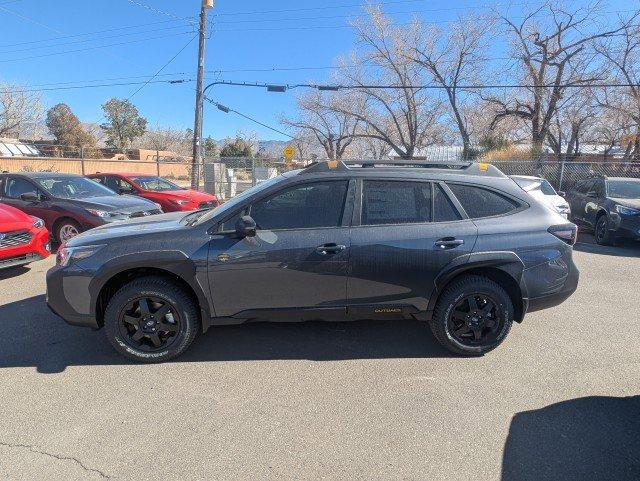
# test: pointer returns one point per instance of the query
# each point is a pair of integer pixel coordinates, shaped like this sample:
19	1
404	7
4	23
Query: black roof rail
346	165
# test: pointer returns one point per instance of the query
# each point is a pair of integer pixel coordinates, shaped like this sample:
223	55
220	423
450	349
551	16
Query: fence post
561	174
82	165
253	172
158	166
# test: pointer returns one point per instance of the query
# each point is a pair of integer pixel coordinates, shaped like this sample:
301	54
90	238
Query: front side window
395	202
479	202
16	187
313	205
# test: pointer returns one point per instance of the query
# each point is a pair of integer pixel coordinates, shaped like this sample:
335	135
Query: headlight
67	255
38	223
564	209
621	209
100	213
180	202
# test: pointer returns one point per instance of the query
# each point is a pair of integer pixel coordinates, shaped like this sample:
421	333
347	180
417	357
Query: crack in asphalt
33	449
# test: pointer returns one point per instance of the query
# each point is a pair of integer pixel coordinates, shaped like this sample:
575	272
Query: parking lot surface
560	399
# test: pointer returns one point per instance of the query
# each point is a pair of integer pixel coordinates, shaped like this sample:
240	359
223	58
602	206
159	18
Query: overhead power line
51	54
226	109
158	11
92	86
307	9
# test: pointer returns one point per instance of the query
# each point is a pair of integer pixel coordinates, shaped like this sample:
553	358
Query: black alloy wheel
475	320
602	234
149	324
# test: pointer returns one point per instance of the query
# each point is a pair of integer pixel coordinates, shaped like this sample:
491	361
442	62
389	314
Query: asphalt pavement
560	399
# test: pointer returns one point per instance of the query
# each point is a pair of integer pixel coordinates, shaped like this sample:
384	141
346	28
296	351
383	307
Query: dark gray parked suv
459	246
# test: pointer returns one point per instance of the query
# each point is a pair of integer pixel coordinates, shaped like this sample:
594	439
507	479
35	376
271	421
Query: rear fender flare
506	261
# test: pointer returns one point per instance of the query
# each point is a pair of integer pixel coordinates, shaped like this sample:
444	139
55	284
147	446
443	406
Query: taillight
565	232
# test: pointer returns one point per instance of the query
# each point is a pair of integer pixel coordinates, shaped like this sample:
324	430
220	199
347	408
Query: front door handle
449	243
330	248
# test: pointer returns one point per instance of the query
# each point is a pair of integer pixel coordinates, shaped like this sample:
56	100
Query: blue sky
44	42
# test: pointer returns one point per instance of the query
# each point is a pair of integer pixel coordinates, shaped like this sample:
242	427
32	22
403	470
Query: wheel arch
180	271
504	268
56	225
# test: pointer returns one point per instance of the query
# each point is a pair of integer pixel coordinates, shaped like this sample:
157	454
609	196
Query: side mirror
562	193
30	197
245	227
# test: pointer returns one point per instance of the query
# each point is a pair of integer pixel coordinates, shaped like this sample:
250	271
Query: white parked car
540	189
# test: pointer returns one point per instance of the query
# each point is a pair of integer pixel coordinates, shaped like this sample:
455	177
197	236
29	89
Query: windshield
204	215
535	184
624	189
154	183
73	187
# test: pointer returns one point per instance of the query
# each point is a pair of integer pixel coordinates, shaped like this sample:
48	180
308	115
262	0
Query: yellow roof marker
332	164
483	166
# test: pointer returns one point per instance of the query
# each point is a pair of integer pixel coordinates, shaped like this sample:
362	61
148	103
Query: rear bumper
551	284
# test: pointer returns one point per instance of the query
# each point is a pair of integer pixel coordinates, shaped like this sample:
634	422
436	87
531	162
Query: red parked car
23	238
170	196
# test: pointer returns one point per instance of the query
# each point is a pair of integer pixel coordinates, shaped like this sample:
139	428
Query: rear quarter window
480	202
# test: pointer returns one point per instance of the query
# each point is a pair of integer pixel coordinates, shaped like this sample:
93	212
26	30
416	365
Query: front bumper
66	286
37	249
625	226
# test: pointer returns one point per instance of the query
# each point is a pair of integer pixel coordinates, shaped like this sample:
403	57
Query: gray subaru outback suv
458	246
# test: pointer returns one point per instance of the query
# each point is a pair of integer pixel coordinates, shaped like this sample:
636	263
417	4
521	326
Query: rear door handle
330	248
449	243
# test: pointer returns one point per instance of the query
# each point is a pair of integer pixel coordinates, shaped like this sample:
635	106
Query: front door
297	262
14	187
408	231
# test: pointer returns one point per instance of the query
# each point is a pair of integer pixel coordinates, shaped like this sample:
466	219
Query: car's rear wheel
473	316
151	319
603	235
66	230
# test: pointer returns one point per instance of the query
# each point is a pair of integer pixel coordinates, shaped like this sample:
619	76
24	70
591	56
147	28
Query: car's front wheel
151	319
472	316
603	235
66	230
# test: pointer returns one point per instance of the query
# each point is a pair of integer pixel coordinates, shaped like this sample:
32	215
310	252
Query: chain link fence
227	177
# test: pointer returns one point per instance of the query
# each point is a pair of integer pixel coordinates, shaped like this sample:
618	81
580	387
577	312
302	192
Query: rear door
579	200
298	260
404	233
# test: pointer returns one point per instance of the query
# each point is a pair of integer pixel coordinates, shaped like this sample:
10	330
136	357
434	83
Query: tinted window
230	224
479	202
598	188
389	202
155	183
317	204
584	186
118	185
72	187
443	208
624	189
16	187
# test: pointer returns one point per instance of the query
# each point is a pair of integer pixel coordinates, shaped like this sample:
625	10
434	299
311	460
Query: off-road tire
460	288
167	290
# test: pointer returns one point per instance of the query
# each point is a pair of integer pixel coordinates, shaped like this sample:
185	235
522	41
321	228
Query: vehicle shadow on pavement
594	438
623	248
35	337
13	272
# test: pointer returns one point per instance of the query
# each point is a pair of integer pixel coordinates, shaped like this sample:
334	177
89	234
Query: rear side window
479	202
395	202
443	208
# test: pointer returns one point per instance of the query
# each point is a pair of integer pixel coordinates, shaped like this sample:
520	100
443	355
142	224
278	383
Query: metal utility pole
197	128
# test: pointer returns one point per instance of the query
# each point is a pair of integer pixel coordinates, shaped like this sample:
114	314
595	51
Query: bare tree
326	120
622	54
551	48
164	139
20	110
572	121
452	59
405	117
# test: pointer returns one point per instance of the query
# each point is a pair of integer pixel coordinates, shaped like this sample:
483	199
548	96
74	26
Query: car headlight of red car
38	223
